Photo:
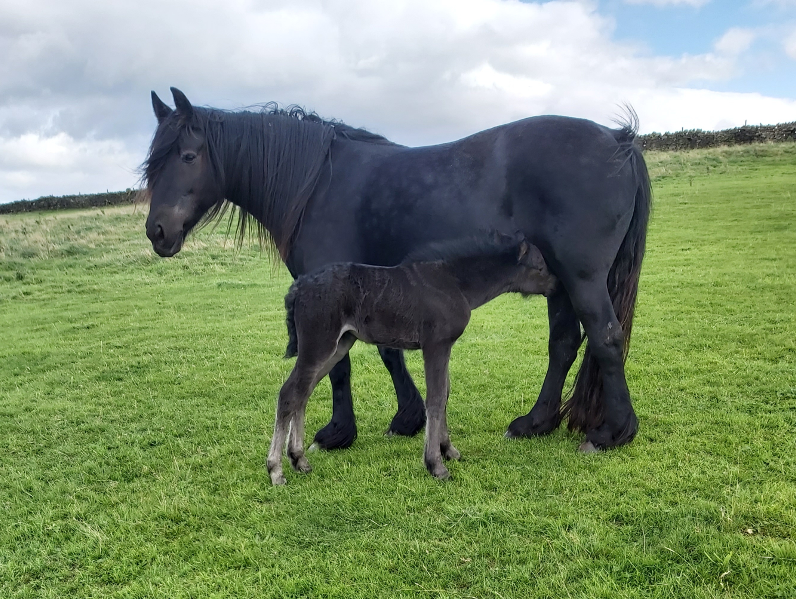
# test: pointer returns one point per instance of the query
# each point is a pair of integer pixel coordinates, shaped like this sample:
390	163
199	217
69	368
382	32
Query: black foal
423	303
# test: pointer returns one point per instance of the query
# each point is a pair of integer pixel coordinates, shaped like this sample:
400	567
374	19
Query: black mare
423	303
325	192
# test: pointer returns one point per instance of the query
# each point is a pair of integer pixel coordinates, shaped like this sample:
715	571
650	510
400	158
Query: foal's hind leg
436	360
449	452
296	389
295	446
411	415
562	347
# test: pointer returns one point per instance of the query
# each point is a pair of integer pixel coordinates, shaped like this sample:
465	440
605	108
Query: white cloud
735	41
790	45
779	3
696	3
704	109
77	75
60	165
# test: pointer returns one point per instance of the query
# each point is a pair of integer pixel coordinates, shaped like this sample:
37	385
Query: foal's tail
585	407
292	337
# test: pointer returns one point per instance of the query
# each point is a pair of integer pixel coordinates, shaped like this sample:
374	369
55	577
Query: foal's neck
482	280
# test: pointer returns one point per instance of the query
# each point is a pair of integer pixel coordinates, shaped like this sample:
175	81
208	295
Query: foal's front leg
436	360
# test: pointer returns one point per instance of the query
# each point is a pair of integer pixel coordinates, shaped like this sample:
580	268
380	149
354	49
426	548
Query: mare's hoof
336	435
588	447
277	479
529	426
408	421
301	465
606	436
451	453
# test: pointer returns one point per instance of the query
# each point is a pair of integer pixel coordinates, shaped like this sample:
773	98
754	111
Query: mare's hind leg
436	366
606	339
342	428
562	347
411	415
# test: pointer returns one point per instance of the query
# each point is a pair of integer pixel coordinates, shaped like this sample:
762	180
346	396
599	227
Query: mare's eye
188	157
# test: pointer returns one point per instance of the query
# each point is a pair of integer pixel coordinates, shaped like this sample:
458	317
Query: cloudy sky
75	114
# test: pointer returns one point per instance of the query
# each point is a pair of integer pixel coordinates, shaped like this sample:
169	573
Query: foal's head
533	276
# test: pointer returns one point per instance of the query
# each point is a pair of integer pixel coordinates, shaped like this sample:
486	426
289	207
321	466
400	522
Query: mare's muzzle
166	238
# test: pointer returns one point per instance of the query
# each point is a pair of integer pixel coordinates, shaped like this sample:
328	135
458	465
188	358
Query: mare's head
181	175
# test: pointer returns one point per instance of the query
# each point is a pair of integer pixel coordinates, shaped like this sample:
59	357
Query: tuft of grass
137	398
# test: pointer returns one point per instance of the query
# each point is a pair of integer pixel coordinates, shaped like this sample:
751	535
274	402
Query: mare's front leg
411	415
563	344
435	359
342	428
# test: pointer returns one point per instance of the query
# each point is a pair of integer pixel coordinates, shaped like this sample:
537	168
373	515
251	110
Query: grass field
137	398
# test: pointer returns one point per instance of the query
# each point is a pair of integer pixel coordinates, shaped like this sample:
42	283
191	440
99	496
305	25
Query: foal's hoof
530	426
451	453
588	447
301	465
438	471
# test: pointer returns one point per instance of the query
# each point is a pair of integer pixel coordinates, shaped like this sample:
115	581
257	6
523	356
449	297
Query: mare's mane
267	162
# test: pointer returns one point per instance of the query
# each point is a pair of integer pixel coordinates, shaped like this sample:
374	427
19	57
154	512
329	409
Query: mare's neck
271	164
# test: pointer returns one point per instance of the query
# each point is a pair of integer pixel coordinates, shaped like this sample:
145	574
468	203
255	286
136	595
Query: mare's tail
585	407
292	337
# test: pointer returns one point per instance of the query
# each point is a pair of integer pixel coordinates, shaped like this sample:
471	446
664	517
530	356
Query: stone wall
696	138
95	200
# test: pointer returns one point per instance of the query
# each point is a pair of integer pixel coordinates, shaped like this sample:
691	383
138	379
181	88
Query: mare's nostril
159	234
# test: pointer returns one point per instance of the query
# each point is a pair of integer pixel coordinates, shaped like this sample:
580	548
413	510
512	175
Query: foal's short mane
267	162
488	245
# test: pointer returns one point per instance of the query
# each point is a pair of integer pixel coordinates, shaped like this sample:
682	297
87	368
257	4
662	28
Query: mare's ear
161	110
184	108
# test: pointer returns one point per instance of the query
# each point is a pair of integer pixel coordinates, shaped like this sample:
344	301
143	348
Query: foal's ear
536	258
184	108
161	110
531	255
523	251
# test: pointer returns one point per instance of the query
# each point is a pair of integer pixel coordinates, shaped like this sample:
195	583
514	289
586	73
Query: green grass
137	398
